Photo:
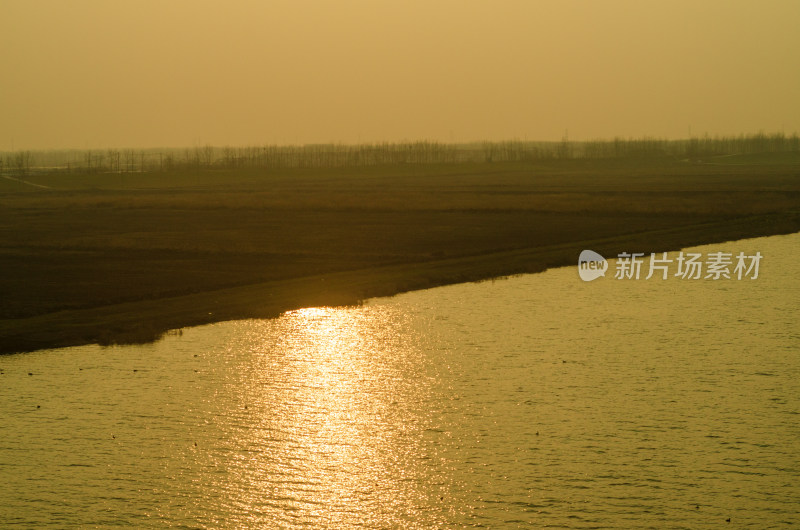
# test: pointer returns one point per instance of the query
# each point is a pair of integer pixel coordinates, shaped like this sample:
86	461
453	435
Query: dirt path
42	186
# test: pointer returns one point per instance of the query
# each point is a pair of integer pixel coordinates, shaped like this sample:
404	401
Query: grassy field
118	257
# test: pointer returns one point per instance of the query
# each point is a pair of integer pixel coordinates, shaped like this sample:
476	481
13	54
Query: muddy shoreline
148	320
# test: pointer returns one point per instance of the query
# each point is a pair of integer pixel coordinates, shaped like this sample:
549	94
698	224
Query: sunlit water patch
538	400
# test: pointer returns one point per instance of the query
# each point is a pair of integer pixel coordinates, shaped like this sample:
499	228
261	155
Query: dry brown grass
85	247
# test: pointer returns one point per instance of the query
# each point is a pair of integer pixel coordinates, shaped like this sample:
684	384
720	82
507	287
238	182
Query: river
538	400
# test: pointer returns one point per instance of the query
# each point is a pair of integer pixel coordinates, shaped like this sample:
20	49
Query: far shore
99	259
147	321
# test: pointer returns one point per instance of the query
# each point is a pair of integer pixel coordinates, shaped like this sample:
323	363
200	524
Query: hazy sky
120	73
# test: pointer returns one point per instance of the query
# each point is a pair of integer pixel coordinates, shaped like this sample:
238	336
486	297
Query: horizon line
565	138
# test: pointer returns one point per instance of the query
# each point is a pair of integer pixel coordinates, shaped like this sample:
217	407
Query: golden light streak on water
329	427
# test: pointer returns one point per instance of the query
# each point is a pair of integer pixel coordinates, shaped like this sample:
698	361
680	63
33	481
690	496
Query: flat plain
124	257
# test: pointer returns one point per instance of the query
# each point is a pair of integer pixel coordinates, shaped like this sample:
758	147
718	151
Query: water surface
538	400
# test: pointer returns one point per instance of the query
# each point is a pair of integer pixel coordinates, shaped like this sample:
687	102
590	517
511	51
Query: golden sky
150	73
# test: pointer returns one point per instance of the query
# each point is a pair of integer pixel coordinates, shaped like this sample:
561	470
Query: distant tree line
423	152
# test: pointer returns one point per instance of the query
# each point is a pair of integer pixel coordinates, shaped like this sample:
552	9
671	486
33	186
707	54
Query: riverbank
126	265
146	321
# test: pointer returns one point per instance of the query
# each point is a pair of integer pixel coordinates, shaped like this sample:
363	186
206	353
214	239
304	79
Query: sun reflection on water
331	428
